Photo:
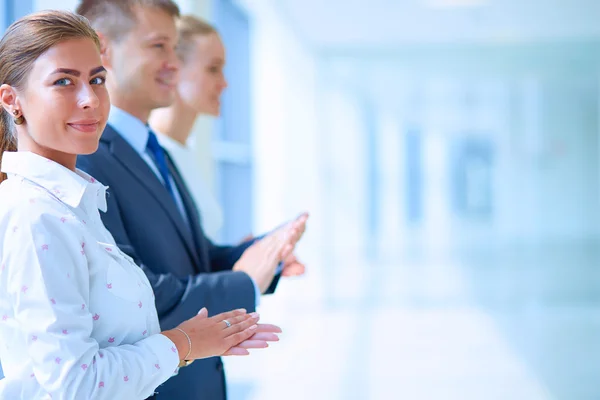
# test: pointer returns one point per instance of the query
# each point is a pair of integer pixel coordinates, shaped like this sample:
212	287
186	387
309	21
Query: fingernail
254	315
253	327
241	310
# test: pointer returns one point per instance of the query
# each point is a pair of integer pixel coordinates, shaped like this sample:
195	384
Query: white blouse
77	316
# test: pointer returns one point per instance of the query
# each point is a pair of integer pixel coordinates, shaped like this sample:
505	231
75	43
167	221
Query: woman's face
64	101
201	80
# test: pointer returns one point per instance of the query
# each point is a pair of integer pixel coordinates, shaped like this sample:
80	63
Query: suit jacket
186	270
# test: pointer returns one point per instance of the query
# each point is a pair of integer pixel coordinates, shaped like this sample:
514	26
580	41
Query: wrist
237	266
180	342
260	283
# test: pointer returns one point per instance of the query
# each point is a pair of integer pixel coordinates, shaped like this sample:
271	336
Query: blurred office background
448	152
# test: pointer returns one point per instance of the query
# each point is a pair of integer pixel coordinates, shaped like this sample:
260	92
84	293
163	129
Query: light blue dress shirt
135	132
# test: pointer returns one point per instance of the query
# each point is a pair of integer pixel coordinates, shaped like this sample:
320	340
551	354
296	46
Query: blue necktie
158	154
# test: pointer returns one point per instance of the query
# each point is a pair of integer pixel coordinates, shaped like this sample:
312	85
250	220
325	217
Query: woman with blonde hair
200	86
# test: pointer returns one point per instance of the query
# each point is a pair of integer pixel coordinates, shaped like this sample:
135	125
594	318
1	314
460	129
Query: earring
19	118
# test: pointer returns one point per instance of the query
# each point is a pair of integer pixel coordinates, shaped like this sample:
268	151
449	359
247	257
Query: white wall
539	106
286	142
55	5
198	7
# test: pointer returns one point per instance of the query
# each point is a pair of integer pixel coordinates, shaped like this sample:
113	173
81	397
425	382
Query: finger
287	250
301	223
265	336
268	239
237	338
228	315
253	344
236	351
268	328
300	233
203	313
296	266
263	243
274	252
273	243
296	269
304	216
294	237
293	273
235	320
290	259
241	325
270	247
283	236
280	235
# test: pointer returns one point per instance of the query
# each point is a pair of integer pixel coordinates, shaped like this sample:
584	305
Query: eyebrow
76	73
154	37
217	62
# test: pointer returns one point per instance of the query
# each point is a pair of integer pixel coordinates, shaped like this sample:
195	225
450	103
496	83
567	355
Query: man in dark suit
150	211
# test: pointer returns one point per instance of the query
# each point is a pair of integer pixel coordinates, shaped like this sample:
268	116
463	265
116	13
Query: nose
88	98
172	62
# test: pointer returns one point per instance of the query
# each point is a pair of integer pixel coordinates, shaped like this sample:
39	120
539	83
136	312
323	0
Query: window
233	141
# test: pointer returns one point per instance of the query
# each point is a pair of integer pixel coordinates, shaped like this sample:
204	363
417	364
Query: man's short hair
115	18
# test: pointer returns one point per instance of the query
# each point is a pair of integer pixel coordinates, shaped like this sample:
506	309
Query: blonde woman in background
200	86
198	93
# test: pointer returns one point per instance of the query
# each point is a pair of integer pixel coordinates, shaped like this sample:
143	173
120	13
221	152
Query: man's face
143	67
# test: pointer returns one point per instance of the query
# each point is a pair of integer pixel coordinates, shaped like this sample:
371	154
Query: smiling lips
87	125
166	82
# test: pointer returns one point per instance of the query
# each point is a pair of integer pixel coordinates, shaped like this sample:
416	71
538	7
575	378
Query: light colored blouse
77	316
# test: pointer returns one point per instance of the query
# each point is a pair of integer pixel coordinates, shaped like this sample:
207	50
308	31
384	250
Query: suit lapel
131	160
191	209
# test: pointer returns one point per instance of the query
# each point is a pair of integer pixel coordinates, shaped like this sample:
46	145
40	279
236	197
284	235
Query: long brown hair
26	40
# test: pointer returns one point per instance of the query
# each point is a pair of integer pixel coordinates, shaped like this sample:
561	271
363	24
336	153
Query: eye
214	70
99	80
63	82
159	45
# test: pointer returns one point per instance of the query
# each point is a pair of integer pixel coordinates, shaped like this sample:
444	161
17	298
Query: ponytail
7	139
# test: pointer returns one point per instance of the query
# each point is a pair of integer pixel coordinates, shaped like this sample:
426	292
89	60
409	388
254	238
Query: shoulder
97	163
24	206
103	158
